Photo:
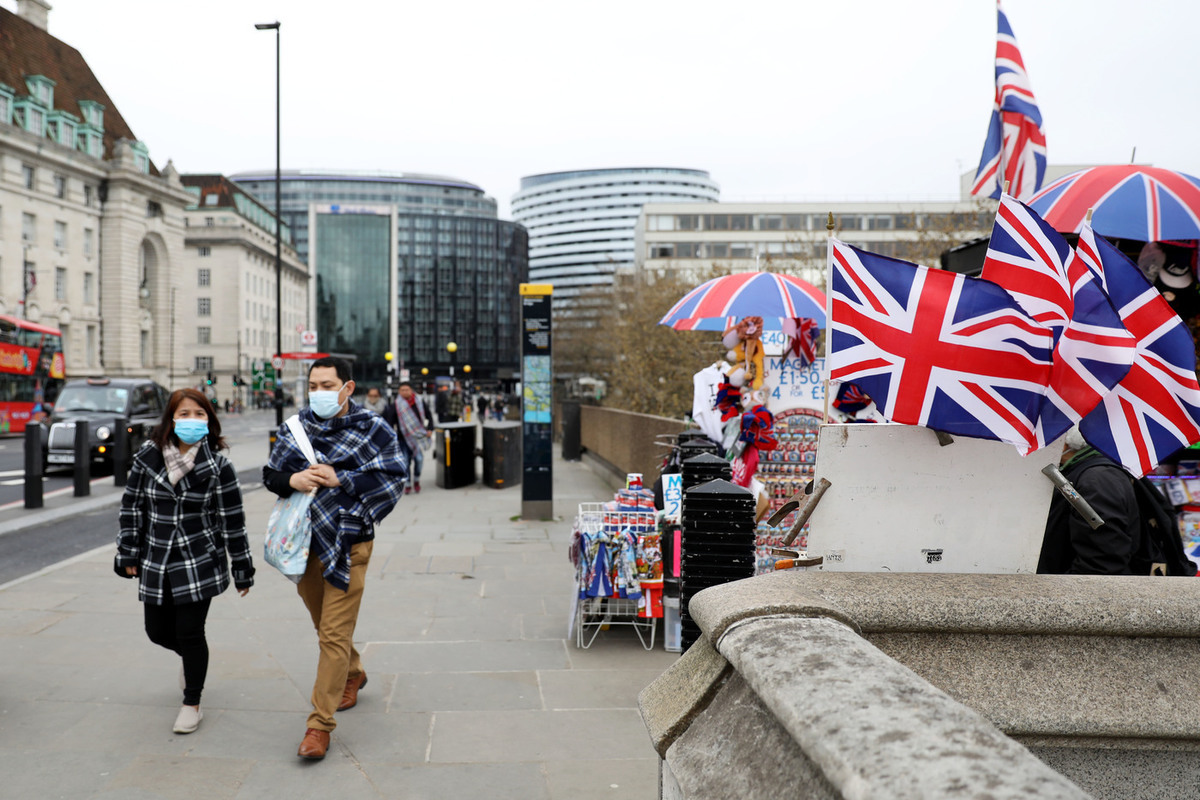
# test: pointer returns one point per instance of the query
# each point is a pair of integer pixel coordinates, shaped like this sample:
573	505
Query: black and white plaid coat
187	532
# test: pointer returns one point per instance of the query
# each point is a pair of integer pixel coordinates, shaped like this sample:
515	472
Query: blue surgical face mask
191	431
325	405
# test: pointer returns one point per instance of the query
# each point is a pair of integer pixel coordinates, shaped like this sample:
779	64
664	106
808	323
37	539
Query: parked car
105	405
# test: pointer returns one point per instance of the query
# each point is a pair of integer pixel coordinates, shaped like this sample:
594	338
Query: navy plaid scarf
372	467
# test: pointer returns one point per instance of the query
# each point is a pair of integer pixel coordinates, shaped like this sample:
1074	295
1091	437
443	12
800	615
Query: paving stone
468	656
466	691
395	737
594	688
520	781
451	564
537	736
173	777
457	629
336	776
452	549
602	780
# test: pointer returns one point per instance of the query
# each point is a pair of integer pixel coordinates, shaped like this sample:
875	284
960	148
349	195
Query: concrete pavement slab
594	688
469	736
176	777
504	656
602	780
437	781
466	691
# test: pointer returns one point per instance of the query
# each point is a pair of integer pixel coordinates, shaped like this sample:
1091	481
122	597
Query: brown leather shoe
314	745
350	695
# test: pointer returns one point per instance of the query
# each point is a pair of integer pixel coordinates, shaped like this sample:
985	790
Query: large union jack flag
937	349
1092	348
1014	151
1155	410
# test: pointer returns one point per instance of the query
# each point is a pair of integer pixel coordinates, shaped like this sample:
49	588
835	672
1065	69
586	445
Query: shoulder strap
302	441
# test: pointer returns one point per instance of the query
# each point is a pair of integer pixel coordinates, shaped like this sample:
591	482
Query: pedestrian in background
374	401
181	521
413	423
358	481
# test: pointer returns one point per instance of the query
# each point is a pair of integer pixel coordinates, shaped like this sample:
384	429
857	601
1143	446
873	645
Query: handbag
289	528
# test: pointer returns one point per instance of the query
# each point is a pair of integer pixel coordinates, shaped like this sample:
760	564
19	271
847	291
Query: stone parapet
1092	673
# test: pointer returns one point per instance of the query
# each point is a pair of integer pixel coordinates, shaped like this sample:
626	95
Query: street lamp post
274	26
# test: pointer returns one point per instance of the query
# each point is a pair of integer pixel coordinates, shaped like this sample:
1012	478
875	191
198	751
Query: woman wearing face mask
181	522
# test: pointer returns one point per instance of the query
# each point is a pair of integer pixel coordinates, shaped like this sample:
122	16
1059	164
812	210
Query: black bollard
120	452
34	467
83	460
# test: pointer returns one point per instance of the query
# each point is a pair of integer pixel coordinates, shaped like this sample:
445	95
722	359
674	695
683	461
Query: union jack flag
937	349
1155	410
851	399
1092	348
1015	148
802	334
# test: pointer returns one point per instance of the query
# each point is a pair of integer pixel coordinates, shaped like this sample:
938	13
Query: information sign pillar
537	484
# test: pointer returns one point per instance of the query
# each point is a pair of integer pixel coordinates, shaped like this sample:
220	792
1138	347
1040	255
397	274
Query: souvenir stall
617	553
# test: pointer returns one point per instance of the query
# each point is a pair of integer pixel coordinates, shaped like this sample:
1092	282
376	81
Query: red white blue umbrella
1148	204
717	304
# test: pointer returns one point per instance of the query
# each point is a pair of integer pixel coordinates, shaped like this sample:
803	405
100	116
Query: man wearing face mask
359	478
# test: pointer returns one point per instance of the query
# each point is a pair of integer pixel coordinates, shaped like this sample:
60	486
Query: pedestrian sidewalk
474	689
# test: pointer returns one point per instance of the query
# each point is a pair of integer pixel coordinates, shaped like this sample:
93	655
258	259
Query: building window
28	228
209	222
60	283
91	348
89	287
27	176
205	252
5	108
205	277
144	347
153	209
60	186
87	195
89	242
60	235
204	363
204	306
204	335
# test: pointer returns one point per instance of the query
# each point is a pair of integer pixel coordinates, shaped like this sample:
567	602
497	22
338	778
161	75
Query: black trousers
180	629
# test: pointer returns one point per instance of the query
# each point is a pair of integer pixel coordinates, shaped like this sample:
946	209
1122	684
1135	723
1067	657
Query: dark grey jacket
187	532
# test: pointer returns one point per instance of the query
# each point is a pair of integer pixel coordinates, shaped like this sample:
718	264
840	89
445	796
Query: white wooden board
900	502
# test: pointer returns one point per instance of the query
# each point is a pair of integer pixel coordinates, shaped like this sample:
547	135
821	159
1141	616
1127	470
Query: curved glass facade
581	223
457	268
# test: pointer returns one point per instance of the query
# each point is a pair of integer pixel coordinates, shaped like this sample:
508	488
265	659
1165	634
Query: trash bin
454	449
572	431
502	454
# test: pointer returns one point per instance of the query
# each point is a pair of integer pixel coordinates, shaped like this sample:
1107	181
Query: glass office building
456	269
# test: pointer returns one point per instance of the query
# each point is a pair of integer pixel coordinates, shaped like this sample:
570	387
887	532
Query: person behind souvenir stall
358	481
181	518
409	435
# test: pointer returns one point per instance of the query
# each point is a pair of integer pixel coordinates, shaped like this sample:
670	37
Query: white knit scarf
178	464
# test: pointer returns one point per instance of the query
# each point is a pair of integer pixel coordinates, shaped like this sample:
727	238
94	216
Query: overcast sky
871	99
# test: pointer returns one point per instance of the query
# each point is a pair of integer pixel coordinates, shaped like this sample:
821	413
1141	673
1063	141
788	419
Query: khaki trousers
334	615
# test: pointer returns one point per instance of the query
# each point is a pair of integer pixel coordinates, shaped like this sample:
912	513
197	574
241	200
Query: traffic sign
308	338
277	362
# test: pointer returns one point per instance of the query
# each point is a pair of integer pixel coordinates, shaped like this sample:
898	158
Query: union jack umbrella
1148	204
717	305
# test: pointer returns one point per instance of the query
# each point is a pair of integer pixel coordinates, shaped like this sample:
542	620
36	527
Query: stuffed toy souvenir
744	341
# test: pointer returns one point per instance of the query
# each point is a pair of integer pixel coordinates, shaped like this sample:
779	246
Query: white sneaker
188	719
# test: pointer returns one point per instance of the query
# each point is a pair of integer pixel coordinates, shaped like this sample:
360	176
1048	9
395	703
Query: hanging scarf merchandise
757	426
850	399
729	401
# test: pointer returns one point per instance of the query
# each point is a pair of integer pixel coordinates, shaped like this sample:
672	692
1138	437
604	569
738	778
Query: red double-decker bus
32	369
